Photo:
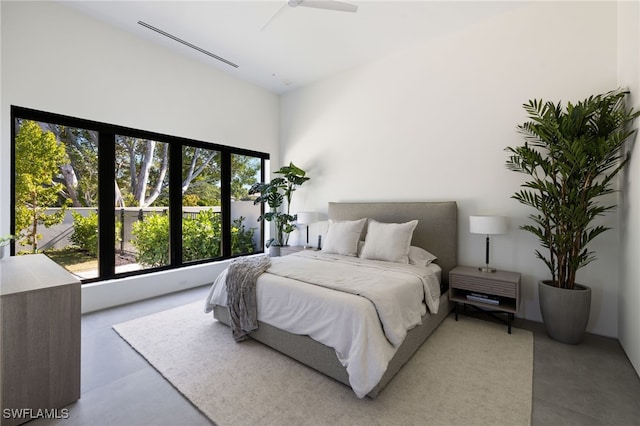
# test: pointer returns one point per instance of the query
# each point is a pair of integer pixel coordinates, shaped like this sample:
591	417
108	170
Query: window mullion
106	204
175	203
225	200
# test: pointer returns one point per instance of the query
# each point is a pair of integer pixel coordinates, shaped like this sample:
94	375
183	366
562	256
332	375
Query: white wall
629	212
57	60
431	123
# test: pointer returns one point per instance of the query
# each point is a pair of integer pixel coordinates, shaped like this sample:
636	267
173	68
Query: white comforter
348	323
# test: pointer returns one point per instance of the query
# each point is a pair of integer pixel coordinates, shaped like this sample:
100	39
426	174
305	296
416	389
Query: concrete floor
588	384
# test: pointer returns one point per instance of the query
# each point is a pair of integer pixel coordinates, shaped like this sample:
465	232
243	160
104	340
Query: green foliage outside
201	238
245	170
37	162
80	175
241	237
56	166
190	200
85	232
142	170
151	239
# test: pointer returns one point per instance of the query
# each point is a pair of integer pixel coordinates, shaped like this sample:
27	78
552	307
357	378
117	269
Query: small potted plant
4	242
571	156
275	194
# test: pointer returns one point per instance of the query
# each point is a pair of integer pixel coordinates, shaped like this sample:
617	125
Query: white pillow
388	241
419	256
343	236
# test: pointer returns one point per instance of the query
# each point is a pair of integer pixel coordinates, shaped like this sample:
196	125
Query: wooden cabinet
469	285
40	338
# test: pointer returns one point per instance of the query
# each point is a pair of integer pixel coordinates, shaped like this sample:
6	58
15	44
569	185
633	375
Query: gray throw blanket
242	275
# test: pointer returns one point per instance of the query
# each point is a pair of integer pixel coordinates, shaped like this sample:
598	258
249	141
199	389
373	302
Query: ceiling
281	48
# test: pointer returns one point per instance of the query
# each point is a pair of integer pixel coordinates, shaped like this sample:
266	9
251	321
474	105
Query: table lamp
488	225
307	218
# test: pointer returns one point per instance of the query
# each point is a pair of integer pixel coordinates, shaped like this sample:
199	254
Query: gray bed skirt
323	358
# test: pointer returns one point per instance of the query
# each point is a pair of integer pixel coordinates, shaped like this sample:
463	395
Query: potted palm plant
571	156
276	194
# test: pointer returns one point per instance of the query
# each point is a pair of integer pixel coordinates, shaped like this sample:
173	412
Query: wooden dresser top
31	272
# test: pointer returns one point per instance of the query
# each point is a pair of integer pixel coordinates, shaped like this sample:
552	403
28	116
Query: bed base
323	358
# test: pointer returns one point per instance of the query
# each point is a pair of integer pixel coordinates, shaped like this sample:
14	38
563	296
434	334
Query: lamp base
486	269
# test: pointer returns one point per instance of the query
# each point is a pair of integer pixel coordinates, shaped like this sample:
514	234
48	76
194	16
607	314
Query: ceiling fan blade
317	4
274	16
325	4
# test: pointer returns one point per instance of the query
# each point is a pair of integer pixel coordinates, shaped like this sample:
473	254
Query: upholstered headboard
436	232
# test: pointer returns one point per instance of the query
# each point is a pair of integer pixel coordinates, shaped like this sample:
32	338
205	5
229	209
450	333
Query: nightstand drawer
484	285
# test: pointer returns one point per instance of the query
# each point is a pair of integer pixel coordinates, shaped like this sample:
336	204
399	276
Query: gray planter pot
274	251
565	312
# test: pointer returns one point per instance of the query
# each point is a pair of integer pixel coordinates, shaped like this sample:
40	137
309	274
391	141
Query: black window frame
106	189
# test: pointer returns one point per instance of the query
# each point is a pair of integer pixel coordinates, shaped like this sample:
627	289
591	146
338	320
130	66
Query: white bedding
348	323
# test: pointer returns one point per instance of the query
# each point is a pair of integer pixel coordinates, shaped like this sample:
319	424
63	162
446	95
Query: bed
435	231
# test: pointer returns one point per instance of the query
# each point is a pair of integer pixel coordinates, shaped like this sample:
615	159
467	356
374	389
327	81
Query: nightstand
490	292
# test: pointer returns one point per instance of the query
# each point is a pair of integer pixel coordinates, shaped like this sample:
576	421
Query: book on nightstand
477	297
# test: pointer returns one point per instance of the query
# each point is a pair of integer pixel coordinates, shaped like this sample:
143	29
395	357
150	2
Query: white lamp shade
487	225
305	218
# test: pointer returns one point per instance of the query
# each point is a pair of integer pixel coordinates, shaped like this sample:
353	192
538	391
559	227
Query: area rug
469	372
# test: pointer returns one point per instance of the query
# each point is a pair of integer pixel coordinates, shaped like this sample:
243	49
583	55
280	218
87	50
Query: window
201	194
142	195
245	171
105	201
